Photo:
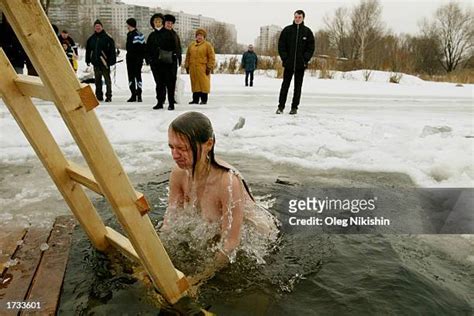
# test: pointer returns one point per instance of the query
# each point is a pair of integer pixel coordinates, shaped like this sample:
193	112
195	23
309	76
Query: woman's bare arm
176	194
233	200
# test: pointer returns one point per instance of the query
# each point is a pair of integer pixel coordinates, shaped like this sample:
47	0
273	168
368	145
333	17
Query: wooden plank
9	240
48	58
142	203
46	286
123	244
32	86
28	256
88	97
85	177
48	151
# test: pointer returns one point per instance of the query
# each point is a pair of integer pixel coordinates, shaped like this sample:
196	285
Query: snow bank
342	123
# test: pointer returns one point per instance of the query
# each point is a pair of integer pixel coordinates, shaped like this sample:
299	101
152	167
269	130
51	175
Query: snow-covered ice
423	129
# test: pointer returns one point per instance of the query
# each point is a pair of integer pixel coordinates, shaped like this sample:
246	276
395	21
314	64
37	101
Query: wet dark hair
301	12
197	128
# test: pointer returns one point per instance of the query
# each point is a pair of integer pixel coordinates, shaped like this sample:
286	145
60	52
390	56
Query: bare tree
366	25
338	30
188	38
221	38
454	30
426	54
323	46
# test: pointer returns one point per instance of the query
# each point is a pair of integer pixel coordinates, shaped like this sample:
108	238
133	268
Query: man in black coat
295	47
100	51
136	50
177	56
161	46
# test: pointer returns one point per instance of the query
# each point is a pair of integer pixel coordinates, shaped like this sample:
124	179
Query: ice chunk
239	124
431	130
11	263
44	247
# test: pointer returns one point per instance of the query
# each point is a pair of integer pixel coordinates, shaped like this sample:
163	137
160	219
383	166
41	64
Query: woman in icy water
209	201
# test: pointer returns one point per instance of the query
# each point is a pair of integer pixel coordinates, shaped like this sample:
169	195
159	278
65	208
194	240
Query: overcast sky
249	15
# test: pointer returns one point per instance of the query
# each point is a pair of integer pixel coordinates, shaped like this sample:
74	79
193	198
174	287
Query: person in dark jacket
161	46
136	50
64	37
100	51
170	20
295	47
11	46
249	63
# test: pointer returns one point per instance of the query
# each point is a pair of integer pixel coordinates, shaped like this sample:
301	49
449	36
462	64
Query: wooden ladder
58	83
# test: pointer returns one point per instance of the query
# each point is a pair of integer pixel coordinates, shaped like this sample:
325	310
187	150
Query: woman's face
157	22
181	150
199	38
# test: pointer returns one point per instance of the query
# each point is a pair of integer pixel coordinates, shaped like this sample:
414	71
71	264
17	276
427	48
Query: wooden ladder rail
75	103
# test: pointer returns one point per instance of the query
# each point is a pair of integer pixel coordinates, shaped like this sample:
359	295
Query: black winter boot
195	98
139	95
203	98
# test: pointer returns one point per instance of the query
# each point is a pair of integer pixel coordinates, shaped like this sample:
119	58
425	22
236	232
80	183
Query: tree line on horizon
356	38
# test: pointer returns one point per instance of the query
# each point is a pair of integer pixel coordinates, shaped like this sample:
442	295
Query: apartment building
266	40
78	17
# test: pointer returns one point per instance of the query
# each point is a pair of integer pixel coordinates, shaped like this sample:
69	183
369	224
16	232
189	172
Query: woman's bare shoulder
178	174
229	180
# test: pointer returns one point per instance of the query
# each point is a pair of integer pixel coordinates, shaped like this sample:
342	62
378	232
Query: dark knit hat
171	18
153	17
132	22
201	31
97	22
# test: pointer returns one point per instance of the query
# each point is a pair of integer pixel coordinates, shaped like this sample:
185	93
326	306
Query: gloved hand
208	71
88	64
187	70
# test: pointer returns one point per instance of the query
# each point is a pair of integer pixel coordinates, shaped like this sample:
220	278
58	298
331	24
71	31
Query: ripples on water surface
307	274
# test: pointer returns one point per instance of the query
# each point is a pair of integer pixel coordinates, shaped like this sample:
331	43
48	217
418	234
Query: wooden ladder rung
85	177
124	245
33	86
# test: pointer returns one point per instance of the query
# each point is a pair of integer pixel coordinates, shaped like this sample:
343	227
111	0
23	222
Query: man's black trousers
287	75
100	71
134	71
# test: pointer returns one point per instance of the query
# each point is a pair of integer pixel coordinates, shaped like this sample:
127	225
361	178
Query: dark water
308	274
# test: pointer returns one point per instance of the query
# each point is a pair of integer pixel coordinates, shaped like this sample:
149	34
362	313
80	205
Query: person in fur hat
161	47
199	63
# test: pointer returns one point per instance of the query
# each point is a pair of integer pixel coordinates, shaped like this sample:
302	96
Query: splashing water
193	241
